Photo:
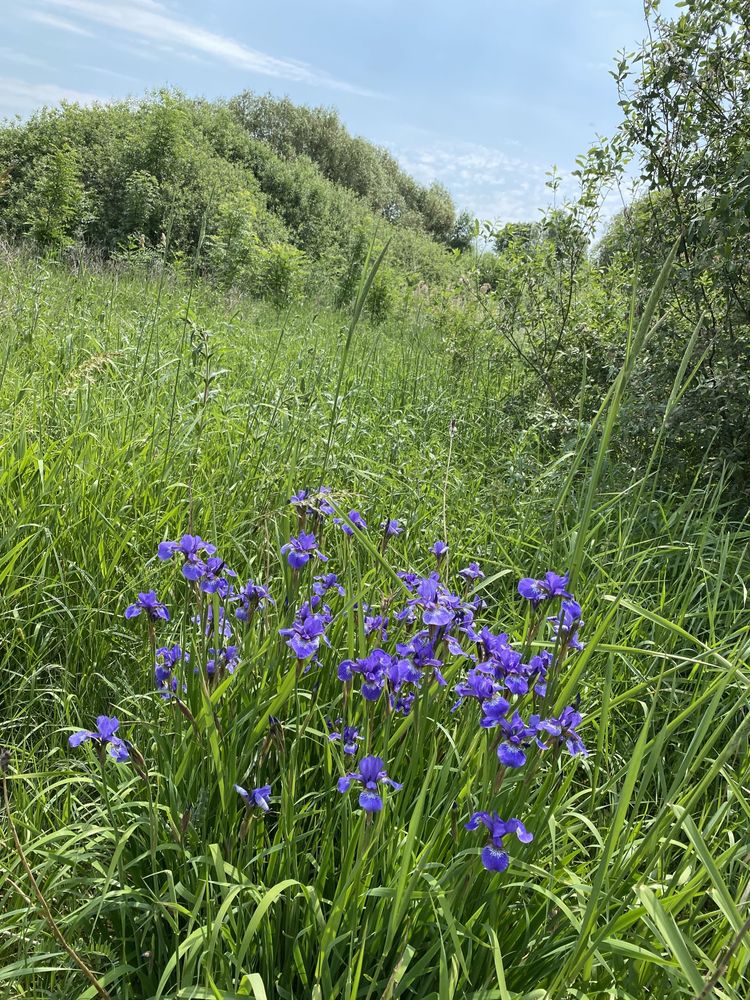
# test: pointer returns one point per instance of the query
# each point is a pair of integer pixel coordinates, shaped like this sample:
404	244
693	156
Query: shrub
233	249
56	205
282	271
383	294
354	254
141	203
170	165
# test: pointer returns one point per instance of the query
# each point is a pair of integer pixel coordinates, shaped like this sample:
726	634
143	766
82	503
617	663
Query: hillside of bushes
263	189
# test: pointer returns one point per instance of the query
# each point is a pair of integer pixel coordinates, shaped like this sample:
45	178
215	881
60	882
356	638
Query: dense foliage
685	98
373	173
190	174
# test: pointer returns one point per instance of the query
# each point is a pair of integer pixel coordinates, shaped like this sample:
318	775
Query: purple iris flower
357	520
315	605
407	614
298	550
313	501
551	585
148	601
517	735
563	728
392	526
371	773
104	736
505	664
306	633
439	607
517	684
494	858
164	679
346	670
376	623
252	596
471	572
439	549
170	656
226	658
410	579
323	503
214	580
257	798
329	581
477	685
421	650
492	645
506	660
477	603
192	548
400	672
493	712
373	669
570	615
349	737
402	703
516	679
565	625
538	667
454	647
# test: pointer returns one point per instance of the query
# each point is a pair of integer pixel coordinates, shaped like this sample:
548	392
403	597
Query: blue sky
483	96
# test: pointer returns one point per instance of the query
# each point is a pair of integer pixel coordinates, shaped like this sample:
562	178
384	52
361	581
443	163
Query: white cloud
152	21
494	185
491	183
20	57
110	72
20	97
50	21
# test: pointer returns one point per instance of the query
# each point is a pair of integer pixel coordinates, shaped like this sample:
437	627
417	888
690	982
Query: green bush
233	248
141	202
282	270
351	268
383	294
55	207
350	162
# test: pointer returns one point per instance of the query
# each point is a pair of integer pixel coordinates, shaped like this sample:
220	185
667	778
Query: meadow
141	405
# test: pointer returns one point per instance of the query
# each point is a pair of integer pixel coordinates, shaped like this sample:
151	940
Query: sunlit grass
130	415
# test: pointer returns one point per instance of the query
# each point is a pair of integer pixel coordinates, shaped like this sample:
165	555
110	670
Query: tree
685	96
370	171
55	207
463	232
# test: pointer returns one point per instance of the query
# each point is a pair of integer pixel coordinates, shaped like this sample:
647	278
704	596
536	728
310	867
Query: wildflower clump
396	658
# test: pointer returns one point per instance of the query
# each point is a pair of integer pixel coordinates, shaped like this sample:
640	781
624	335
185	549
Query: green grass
135	407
